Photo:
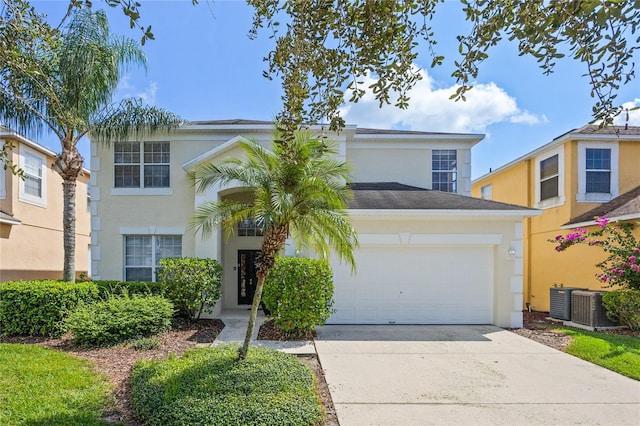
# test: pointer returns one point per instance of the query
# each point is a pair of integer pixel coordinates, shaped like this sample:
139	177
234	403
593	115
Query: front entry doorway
247	279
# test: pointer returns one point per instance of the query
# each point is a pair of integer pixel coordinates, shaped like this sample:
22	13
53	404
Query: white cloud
634	115
126	89
431	109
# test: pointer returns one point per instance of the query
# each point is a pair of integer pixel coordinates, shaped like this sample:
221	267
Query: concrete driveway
466	375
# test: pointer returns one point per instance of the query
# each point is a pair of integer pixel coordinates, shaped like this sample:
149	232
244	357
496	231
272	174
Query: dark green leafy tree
324	48
63	82
299	190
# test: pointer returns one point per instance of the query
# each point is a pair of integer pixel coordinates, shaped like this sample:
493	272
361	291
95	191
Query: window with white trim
444	170
250	228
142	254
597	171
33	188
486	192
141	164
549	179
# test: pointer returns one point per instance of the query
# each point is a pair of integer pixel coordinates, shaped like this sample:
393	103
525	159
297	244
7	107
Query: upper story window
33	188
249	228
598	170
549	175
141	164
142	254
444	170
486	192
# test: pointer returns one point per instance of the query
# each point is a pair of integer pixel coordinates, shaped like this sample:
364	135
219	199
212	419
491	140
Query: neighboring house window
142	253
33	188
444	170
486	192
3	185
249	228
141	165
549	178
597	171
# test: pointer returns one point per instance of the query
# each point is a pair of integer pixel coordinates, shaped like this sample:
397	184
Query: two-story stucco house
429	253
584	173
31	215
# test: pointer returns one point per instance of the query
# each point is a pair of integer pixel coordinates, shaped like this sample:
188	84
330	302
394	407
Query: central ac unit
560	302
587	309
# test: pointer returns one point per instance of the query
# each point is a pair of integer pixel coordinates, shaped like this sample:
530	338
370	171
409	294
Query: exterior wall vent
560	302
587	309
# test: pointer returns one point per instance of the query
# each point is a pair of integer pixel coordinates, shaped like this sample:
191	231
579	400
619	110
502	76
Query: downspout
530	202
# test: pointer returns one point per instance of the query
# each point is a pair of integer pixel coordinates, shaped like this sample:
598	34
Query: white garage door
402	284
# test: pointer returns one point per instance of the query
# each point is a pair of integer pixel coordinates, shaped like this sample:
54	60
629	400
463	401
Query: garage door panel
416	285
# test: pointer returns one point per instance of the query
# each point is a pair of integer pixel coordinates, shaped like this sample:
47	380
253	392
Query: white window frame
141	190
453	172
154	236
3	172
486	192
597	197
40	201
560	199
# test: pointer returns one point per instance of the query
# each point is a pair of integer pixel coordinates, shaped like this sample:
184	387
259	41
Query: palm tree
64	83
299	190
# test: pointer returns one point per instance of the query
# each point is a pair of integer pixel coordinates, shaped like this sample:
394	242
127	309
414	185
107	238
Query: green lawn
209	386
40	386
618	353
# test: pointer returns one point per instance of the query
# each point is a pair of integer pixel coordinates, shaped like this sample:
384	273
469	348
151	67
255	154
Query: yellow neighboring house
584	173
31	215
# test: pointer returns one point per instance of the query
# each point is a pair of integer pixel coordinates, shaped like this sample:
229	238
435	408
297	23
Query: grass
40	386
208	386
614	352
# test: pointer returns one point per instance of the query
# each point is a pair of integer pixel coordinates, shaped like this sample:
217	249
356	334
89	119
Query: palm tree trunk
272	243
69	229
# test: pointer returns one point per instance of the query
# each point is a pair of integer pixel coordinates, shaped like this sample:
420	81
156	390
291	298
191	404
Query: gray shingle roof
624	205
396	196
621	130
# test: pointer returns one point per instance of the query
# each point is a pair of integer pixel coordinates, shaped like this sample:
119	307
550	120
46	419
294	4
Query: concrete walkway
466	375
235	330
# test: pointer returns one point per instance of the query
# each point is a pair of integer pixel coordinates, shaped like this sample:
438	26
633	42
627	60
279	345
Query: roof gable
215	152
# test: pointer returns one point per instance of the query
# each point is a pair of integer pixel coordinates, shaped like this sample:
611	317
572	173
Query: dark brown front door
247	279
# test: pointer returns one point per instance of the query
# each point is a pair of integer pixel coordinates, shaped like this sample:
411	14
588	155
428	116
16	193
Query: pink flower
632	258
602	221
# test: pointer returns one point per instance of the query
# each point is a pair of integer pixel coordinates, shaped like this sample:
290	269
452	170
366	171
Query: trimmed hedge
209	386
623	306
298	294
194	285
108	288
119	319
39	308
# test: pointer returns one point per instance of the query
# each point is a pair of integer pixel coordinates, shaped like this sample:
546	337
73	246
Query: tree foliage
325	48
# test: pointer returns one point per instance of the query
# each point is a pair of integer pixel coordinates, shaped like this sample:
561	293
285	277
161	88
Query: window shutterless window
444	170
142	254
549	169
598	170
486	192
141	165
249	228
32	175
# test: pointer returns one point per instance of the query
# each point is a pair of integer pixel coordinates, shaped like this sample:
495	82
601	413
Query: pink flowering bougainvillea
622	265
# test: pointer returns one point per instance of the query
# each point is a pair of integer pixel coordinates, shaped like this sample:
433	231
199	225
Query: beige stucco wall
34	249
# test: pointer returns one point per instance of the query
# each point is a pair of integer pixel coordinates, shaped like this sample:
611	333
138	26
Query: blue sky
203	66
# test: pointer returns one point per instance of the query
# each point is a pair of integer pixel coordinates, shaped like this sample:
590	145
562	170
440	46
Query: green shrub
145	343
109	288
298	293
623	306
209	386
39	308
118	319
193	285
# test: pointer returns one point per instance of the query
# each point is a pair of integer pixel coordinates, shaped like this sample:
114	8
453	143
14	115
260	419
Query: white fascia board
31	144
250	127
10	221
469	138
632	216
560	140
214	152
458	214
